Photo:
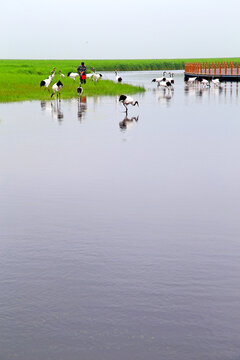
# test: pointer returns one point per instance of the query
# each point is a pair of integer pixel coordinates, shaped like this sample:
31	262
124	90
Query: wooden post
201	69
220	68
231	68
237	69
209	68
215	68
205	68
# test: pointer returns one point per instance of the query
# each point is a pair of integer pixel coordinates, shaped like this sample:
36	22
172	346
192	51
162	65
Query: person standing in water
82	70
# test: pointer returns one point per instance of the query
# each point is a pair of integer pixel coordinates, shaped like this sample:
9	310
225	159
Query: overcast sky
108	29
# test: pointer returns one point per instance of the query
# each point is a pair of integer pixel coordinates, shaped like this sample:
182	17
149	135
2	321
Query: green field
41	66
20	79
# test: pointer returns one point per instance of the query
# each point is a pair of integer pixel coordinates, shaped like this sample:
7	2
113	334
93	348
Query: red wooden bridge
224	70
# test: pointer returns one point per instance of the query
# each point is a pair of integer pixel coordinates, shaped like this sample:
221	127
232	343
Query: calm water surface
120	236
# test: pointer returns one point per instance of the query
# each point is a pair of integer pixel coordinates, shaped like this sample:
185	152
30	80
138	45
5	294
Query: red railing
220	68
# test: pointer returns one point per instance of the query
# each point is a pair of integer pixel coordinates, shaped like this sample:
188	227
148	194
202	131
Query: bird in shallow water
159	80
118	78
191	80
166	85
217	82
204	82
96	77
127	100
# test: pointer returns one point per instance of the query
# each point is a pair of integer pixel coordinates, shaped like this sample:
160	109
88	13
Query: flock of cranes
72	75
204	82
57	86
124	99
166	81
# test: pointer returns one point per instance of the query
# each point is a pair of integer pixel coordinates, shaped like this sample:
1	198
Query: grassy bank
26	87
20	80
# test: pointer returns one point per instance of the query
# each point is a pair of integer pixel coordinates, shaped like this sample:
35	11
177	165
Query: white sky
108	29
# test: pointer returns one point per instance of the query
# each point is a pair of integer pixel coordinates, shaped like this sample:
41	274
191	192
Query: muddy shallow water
120	236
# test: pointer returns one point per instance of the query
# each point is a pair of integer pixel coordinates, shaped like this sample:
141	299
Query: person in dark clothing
82	70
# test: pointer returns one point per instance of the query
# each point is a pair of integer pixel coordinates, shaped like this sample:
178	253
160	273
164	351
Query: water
120	238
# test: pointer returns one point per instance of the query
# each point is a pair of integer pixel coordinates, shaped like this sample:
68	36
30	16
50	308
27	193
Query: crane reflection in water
53	108
82	107
164	96
127	122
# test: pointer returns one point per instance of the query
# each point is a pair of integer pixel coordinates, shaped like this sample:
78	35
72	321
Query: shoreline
26	87
20	79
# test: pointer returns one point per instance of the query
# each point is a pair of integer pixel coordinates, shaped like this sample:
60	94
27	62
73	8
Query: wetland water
120	239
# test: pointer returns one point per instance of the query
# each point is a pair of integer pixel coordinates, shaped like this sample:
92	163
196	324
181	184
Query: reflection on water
43	104
53	107
115	249
164	96
127	122
82	107
56	111
226	92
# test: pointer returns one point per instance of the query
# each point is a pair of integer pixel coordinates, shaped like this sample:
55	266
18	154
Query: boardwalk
225	71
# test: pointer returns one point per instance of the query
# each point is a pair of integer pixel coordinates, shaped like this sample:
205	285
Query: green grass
26	87
20	79
42	67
